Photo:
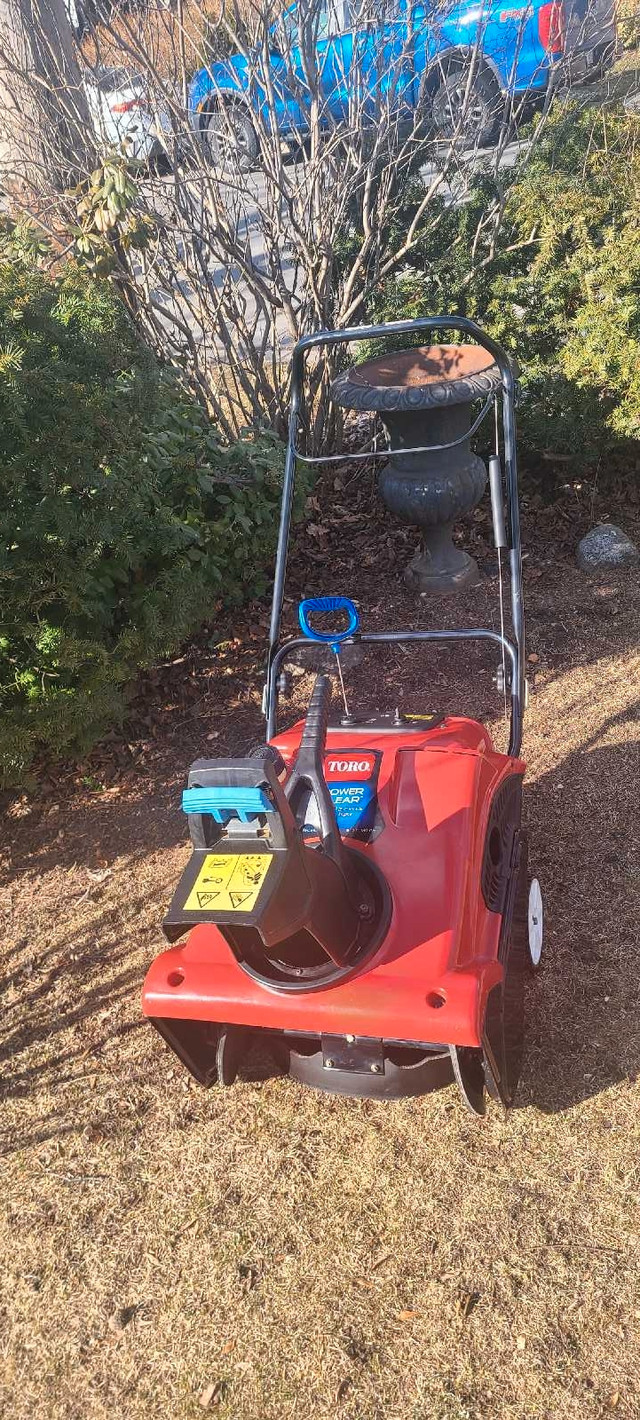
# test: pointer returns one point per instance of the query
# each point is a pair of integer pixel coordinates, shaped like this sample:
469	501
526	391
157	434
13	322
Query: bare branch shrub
276	202
46	135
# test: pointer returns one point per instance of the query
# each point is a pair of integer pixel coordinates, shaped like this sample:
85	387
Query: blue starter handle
328	604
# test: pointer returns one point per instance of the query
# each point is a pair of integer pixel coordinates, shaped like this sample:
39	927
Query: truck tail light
551	27
128	105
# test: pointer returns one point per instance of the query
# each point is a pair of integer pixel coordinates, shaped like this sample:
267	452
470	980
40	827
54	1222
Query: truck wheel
468	109
230	139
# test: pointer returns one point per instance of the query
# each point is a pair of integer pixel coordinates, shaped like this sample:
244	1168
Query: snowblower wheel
535	923
503	1038
233	1045
469	1076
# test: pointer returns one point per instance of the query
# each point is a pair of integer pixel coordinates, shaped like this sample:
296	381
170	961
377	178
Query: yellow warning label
228	882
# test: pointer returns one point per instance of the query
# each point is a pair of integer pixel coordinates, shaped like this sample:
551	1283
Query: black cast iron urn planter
425	397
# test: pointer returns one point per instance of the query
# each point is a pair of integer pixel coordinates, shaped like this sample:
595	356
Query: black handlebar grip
314	735
497	504
308	768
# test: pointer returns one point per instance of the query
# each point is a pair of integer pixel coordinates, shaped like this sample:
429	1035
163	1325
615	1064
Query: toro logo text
339	765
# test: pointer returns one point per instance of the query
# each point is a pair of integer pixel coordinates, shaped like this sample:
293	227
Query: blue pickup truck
458	60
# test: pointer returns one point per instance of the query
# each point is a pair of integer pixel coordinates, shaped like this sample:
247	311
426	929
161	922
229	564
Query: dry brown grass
294	1255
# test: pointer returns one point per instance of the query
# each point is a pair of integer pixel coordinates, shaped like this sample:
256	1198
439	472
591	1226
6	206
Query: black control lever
308	770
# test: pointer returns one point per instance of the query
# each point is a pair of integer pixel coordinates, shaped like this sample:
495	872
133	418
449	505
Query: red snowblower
358	893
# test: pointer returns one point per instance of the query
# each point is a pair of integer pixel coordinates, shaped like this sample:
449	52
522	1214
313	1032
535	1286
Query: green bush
628	23
558	284
123	518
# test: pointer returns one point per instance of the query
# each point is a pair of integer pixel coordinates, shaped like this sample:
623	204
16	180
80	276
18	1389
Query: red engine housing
438	846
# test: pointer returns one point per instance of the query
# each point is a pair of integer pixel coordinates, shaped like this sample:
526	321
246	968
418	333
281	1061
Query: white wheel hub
536	922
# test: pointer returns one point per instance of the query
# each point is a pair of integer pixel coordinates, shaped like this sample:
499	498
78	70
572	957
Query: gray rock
606	546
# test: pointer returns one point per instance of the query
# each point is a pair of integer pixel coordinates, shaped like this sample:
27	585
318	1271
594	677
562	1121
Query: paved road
246	205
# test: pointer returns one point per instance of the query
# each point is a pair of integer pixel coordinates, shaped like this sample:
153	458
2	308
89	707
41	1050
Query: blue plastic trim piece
328	604
224	802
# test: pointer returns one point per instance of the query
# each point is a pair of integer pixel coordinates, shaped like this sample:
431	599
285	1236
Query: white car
77	17
121	110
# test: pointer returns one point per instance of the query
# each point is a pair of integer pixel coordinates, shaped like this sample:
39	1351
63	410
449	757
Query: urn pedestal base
440	576
425	400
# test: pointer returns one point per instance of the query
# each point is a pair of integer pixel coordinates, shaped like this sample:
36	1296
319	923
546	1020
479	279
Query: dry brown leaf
407	1315
613	1399
206	1396
186	1227
533	658
466	1302
212	1394
521	1343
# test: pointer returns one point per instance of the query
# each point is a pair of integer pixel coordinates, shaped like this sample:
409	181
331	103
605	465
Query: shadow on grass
584	1006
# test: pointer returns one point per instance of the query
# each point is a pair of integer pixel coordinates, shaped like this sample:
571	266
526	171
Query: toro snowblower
358	893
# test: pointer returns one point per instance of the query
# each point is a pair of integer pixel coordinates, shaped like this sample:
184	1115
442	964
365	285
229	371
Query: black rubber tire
471	110
230	140
505	1016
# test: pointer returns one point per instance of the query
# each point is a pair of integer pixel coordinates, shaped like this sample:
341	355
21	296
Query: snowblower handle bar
327	339
369	638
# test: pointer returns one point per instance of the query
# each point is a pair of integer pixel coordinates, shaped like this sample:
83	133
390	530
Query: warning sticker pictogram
228	882
238	898
206	898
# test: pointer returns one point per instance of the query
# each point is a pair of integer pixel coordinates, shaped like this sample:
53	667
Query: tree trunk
45	125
